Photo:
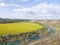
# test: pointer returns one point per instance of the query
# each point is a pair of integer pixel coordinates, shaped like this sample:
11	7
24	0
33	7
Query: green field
16	28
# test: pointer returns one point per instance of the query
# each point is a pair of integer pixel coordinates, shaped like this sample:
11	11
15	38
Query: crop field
16	28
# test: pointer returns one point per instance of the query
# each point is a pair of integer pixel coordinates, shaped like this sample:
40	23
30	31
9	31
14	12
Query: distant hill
3	20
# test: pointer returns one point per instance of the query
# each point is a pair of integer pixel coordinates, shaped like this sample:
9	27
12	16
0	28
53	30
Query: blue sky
30	9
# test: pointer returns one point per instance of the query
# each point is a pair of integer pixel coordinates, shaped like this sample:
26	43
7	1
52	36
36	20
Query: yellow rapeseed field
20	27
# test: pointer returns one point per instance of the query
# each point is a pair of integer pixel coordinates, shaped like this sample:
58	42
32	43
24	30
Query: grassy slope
15	28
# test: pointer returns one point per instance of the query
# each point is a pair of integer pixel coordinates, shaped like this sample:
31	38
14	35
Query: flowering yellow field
15	28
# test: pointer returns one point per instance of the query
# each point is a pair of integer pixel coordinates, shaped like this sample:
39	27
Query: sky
30	9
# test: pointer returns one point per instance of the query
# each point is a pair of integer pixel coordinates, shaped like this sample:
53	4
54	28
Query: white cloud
1	0
3	4
40	10
36	0
24	0
12	0
14	5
